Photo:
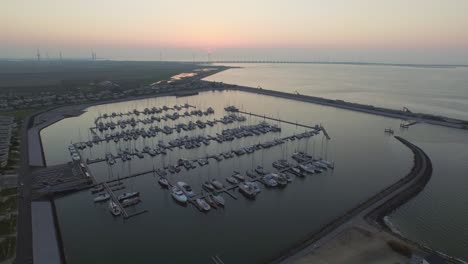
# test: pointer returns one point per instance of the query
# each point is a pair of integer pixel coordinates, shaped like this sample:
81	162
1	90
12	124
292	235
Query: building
6	126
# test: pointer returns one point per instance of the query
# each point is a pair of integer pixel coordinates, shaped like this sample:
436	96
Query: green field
32	76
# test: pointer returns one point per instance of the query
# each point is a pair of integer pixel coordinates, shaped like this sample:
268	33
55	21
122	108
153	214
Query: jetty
370	211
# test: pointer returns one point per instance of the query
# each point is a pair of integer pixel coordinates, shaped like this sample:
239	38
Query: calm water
245	231
429	90
438	216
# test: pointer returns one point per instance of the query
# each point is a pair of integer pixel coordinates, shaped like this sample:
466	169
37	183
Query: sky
397	31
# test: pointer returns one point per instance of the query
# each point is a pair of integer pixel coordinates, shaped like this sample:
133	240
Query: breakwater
370	109
378	205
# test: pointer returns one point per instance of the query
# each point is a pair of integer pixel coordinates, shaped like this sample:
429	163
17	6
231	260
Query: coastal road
24	250
384	201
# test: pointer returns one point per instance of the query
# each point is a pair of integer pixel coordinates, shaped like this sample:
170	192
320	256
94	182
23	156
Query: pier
192	160
408	124
149	111
115	199
279	120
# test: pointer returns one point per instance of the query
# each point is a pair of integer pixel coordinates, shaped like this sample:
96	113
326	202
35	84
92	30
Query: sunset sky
416	31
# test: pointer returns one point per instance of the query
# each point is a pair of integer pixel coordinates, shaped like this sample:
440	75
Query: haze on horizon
399	31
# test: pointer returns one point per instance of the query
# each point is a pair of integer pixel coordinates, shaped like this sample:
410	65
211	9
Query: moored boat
210	201
238	176
203	205
186	188
217	184
163	182
178	195
232	180
127	195
218	199
114	208
269	180
131	201
208	186
247	190
101	197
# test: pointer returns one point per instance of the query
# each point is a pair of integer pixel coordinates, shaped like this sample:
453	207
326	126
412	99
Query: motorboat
163	182
281	164
238	176
232	180
97	188
101	197
320	165
307	168
260	170
186	188
251	174
296	171
287	176
208	186
280	179
219	199
127	195
254	186
203	204
301	156
131	201
203	162
178	195
329	164
114	208
211	202
269	180
217	184
247	190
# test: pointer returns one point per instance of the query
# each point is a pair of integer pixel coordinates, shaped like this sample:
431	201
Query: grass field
20	114
7	248
31	76
10	204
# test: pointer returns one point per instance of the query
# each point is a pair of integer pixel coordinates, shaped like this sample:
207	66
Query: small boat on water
178	195
114	208
186	188
203	204
211	202
254	186
218	199
127	195
260	170
269	180
101	197
208	186
131	201
329	164
238	176
307	168
232	180
247	190
287	176
217	184
251	174
280	179
97	188
163	182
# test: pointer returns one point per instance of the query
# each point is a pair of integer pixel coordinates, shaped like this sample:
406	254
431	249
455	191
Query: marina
242	207
206	200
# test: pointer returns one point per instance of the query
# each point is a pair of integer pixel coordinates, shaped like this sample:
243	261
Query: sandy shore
356	246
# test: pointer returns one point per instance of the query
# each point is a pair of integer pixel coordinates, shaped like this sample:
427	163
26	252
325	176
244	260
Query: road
24	249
